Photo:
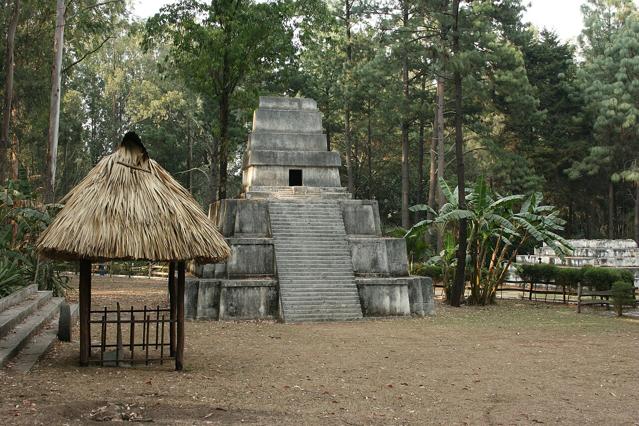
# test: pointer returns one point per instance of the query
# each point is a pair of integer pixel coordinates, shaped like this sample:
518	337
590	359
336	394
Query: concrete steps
27	329
313	260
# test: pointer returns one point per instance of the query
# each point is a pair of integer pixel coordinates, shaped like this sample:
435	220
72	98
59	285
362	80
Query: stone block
248	299
383	296
287	141
191	290
251	217
250	257
397	256
287	121
292	159
369	256
68	317
274	176
361	217
421	296
279	102
208	299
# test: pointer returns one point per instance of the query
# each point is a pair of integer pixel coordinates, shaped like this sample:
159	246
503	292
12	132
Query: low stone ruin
302	248
604	253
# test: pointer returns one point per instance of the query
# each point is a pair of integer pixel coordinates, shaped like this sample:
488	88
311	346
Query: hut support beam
85	312
172	307
179	354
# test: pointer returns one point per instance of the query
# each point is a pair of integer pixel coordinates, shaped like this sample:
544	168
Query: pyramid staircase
27	326
313	260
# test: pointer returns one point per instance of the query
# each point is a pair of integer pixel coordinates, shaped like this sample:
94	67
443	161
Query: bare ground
515	363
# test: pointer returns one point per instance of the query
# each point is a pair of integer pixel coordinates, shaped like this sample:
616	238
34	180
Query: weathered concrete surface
379	256
292	158
361	217
191	290
421	296
248	299
250	257
68	317
208	299
278	176
287	120
287	141
383	296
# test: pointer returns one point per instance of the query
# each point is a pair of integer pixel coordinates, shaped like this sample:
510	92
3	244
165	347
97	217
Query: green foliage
436	272
623	293
601	279
11	277
538	273
568	277
499	226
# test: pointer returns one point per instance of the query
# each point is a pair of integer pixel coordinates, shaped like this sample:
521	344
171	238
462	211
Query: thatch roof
129	207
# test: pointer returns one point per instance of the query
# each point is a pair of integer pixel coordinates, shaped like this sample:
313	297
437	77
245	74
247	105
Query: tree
217	47
8	87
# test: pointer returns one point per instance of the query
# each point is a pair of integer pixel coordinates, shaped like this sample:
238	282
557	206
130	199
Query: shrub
433	271
568	277
537	273
622	294
11	277
601	279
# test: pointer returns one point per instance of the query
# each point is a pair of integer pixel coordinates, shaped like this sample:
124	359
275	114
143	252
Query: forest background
538	114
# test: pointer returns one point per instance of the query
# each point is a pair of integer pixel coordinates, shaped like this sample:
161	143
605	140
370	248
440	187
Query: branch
86	55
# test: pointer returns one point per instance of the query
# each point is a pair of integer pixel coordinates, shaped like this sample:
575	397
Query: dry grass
515	363
129	207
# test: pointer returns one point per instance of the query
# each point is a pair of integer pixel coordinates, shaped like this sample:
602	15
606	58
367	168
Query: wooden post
85	312
172	306
579	298
179	353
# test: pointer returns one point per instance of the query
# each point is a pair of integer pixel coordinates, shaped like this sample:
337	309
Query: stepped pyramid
302	248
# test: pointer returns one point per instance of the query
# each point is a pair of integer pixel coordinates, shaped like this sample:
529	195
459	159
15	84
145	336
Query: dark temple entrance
294	177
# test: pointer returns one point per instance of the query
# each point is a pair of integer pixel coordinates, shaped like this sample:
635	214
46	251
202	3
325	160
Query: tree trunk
189	158
432	173
54	113
369	148
224	105
420	167
405	147
636	224
611	210
347	105
8	88
457	291
214	175
441	156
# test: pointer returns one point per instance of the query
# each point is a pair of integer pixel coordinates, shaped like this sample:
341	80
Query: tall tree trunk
224	105
54	113
189	158
457	292
214	173
369	148
611	210
8	88
432	173
636	224
405	146
441	148
347	106
441	153
420	167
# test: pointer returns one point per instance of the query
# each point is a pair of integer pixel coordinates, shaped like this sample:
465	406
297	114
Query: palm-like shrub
499	226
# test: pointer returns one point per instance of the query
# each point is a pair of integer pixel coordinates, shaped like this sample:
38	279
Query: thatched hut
129	208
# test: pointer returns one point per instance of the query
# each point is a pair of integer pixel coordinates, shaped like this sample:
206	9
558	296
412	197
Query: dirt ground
515	363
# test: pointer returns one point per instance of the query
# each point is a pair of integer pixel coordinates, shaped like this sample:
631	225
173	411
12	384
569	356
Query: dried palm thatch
129	207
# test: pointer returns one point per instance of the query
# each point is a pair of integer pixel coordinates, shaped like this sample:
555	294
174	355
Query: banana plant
499	226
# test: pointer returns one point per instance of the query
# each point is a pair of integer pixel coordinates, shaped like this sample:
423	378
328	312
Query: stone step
314	317
17	297
339	301
33	351
14	315
19	337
